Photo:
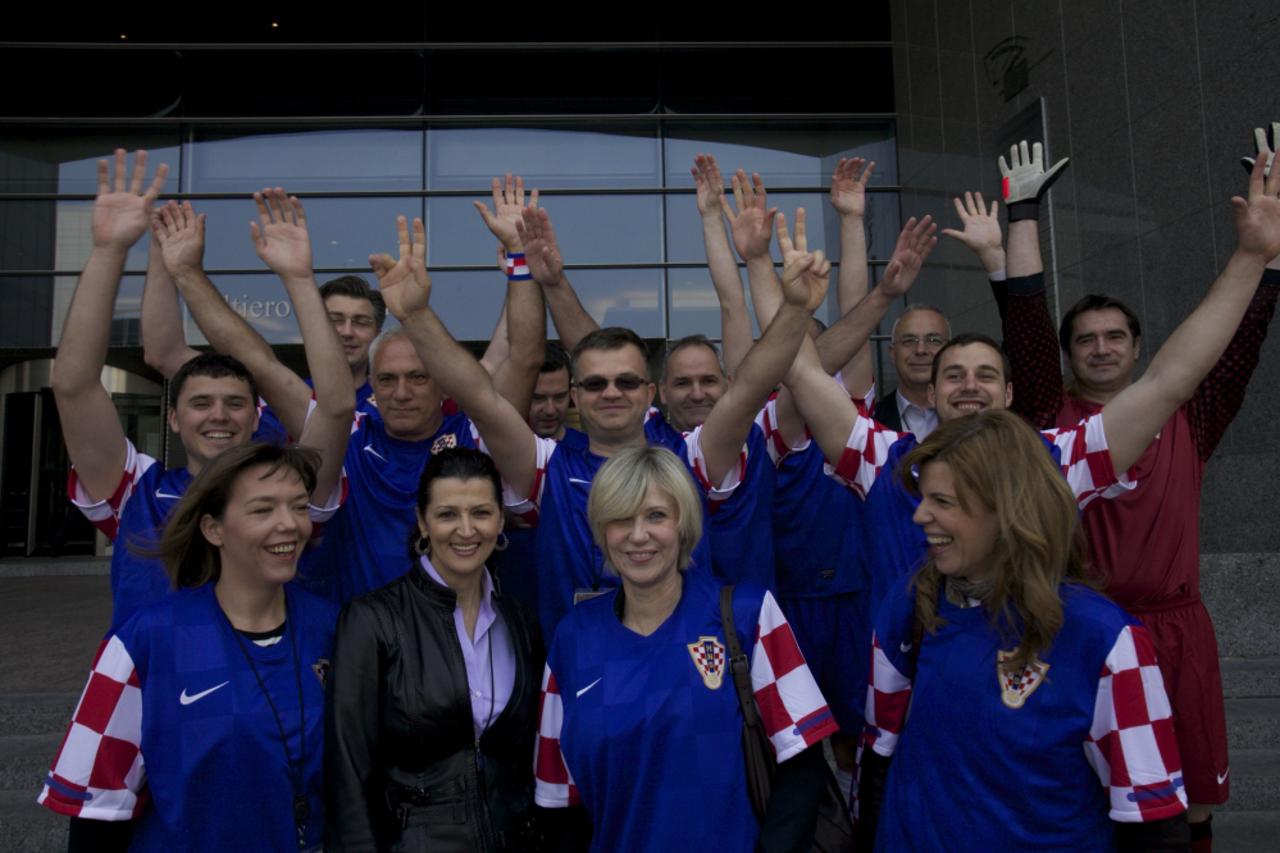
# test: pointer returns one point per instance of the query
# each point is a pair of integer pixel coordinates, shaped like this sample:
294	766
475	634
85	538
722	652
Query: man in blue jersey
125	493
612	393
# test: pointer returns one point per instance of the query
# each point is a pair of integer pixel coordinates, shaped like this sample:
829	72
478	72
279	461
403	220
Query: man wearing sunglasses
612	392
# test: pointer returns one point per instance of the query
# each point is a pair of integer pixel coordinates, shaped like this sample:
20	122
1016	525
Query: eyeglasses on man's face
913	341
625	382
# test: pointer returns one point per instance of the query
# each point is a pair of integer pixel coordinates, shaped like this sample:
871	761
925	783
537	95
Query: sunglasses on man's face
625	382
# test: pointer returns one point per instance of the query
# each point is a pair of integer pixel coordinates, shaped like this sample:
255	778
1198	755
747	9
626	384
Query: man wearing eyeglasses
918	334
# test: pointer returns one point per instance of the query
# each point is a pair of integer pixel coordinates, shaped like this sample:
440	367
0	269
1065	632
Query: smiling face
462	521
917	337
962	540
550	403
691	385
356	325
1104	352
970	379
407	397
263	529
213	414
612	413
645	548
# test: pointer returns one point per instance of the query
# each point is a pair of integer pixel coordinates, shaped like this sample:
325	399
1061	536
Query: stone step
28	828
1246	831
1242	594
36	713
1253	723
25	760
1255	781
1250	677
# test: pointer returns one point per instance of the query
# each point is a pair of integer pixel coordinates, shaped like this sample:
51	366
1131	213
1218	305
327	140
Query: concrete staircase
52	617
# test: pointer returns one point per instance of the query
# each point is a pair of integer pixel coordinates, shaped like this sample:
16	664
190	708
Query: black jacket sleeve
1156	836
799	787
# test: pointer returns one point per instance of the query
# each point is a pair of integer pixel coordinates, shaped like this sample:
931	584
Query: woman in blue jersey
201	727
435	686
640	721
1038	717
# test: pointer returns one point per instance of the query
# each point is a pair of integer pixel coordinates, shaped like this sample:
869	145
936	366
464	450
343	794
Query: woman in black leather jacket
433	694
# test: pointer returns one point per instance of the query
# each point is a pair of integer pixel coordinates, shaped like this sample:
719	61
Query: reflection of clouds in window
467	158
796	155
306	161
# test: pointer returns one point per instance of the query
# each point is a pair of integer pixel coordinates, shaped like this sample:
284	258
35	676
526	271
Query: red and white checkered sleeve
888	696
105	514
864	454
1131	744
724	489
553	786
527	506
777	446
792	708
98	772
1086	461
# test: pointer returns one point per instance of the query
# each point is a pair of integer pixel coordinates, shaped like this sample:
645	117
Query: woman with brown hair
201	727
1038	717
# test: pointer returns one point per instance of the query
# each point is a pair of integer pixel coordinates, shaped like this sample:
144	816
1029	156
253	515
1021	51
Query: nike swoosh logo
187	700
1223	777
368	448
905	648
589	686
160	494
576	480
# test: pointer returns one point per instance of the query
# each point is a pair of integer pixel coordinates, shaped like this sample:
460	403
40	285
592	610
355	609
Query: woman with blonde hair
1038	717
640	721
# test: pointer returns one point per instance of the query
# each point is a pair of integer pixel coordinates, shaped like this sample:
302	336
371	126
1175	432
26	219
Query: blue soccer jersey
133	517
271	431
1083	734
646	732
365	545
173	728
740	529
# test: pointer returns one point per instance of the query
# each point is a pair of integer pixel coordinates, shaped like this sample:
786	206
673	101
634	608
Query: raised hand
1026	179
710	184
404	283
180	233
752	221
804	273
541	251
121	215
849	186
1260	140
280	235
508	208
1258	217
915	242
981	232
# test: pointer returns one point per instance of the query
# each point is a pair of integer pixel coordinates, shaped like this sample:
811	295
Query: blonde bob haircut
620	486
1001	466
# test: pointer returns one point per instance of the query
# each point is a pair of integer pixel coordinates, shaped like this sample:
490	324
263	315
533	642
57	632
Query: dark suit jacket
886	411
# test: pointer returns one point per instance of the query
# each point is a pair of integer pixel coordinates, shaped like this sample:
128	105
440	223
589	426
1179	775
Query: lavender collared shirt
491	648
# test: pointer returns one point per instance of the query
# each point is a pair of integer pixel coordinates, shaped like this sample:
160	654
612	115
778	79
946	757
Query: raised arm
1133	417
1023	185
1030	338
735	324
849	198
95	440
524	316
164	343
281	239
181	235
406	287
751	220
850	334
546	265
804	287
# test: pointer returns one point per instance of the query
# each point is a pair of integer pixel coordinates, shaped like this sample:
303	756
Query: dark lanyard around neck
301	808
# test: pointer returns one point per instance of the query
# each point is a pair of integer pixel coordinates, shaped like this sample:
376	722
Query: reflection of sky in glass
469	158
631	298
344	232
795	156
81	175
259	299
74	238
694	309
684	225
590	230
308	161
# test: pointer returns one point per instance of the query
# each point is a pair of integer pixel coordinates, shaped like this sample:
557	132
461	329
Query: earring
422	546
503	541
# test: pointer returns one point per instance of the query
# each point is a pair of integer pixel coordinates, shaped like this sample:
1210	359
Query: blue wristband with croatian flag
517	269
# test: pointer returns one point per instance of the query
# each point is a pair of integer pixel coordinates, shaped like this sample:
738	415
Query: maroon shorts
1188	656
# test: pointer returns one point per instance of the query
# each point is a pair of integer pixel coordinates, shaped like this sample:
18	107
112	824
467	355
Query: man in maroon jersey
1147	543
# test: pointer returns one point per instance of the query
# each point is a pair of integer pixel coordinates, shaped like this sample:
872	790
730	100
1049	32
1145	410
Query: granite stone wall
1154	101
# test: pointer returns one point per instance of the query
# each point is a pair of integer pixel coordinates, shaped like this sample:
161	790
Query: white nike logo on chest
187	700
